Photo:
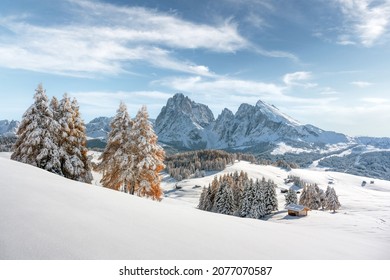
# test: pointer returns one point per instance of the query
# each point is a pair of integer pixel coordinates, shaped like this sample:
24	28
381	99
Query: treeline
374	164
184	165
236	194
195	163
278	163
6	143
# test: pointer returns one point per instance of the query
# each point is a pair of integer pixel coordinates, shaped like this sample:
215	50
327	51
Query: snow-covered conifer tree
72	142
247	199
270	197
82	166
291	197
259	207
202	199
209	200
148	157
321	195
54	106
332	201
36	136
303	199
328	190
117	160
224	200
314	200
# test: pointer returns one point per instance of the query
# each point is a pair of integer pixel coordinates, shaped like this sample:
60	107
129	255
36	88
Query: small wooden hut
297	210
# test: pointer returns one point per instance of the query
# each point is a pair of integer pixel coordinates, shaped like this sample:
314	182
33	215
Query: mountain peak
183	121
274	114
8	128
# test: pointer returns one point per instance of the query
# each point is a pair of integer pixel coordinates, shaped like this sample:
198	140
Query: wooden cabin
297	210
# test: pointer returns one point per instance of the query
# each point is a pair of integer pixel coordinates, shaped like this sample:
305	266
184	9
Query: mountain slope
44	216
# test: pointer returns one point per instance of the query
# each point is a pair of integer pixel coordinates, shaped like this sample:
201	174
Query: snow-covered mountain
98	127
186	124
8	128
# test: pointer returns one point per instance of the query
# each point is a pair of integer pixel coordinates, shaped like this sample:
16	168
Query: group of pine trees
6	143
52	136
315	198
132	159
312	196
236	194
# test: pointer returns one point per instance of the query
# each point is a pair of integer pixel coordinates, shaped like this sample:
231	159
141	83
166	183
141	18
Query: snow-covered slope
44	216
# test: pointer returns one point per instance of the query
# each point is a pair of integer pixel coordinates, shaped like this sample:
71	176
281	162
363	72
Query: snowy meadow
46	216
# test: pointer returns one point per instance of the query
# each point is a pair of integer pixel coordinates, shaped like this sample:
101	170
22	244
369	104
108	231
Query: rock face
184	123
188	125
8	128
98	128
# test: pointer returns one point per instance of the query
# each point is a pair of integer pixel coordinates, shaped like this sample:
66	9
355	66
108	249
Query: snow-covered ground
44	216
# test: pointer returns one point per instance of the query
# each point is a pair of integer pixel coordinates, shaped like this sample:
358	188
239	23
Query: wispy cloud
361	84
107	38
221	86
365	20
96	103
299	79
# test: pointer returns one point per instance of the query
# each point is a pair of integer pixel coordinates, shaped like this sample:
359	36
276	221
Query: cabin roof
296	207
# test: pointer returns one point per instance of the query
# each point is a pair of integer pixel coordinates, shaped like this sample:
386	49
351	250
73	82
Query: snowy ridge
65	219
275	114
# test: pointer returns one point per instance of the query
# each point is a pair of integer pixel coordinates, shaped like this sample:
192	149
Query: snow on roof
295	207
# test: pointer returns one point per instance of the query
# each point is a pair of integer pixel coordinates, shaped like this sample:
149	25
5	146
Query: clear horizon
324	64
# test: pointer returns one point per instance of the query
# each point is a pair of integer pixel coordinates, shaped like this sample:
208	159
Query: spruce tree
270	197
224	200
247	199
208	200
291	197
259	207
314	201
303	199
36	134
148	157
202	199
116	161
332	201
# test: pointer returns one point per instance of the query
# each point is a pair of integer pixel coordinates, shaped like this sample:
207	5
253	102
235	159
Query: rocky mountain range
188	125
8	128
98	128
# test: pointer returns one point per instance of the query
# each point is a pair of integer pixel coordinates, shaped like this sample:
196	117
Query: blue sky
324	62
